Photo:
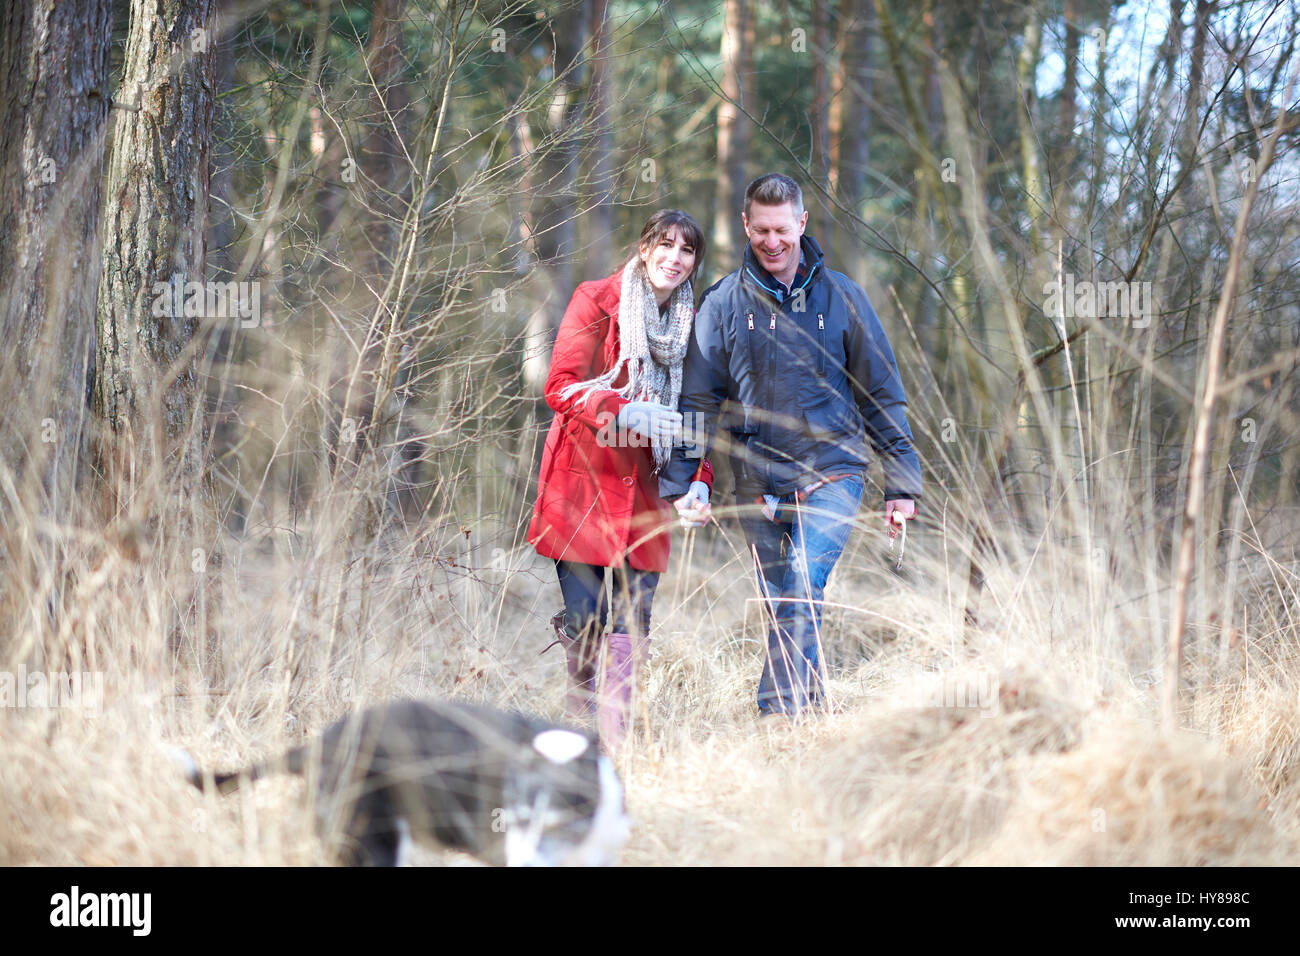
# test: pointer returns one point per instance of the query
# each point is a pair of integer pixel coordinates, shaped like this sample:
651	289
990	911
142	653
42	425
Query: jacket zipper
821	344
771	394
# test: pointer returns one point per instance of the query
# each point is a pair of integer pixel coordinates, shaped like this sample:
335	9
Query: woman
616	373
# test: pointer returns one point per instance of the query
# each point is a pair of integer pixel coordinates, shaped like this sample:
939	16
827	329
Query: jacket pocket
830	418
743	429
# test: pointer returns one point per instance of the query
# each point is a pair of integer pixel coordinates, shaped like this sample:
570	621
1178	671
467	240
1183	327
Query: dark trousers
587	611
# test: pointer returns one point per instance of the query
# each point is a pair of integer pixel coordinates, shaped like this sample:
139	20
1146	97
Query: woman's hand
693	507
650	420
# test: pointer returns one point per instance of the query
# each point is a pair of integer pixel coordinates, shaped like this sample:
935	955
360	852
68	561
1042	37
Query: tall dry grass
371	455
1031	736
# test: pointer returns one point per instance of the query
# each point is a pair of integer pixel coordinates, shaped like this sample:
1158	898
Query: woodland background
249	524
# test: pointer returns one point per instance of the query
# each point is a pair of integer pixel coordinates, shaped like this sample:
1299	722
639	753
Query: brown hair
773	189
663	222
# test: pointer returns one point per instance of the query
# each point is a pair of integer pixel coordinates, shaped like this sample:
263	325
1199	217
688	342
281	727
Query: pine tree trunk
554	219
387	172
600	168
852	140
821	51
155	211
1065	152
1031	169
733	142
54	103
223	224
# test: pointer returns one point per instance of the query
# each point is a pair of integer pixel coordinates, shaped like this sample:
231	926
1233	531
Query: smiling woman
668	255
617	362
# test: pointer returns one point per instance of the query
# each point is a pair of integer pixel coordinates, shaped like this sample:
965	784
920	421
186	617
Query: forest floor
1031	738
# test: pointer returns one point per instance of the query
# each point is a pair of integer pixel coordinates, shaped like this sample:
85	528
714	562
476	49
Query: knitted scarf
651	346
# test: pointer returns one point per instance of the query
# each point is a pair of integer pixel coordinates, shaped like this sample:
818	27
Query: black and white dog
508	788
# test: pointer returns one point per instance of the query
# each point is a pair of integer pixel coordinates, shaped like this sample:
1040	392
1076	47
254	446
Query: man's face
774	233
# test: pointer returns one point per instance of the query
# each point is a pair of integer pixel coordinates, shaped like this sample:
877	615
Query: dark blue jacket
793	383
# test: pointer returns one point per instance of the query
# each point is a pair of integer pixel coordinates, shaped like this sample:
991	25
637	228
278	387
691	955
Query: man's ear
744	221
803	222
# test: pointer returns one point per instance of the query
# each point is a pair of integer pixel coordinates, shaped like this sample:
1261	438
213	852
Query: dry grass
1032	739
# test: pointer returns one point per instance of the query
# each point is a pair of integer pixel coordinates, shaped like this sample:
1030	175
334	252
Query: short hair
663	222
774	189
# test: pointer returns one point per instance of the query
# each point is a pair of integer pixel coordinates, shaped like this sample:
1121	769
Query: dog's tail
224	783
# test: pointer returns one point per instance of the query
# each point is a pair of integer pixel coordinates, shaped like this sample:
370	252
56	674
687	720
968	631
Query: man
800	356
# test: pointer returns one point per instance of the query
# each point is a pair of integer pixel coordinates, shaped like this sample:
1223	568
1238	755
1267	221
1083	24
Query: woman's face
669	263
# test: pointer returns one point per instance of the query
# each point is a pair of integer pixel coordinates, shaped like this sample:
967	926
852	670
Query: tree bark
383	160
1026	115
54	102
1063	159
822	48
1188	149
155	211
927	313
600	185
223	226
733	140
553	222
851	139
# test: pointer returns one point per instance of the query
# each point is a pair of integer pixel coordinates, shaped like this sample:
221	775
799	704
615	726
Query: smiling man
797	352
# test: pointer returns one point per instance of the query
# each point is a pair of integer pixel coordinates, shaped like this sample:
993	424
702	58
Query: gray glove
693	507
650	420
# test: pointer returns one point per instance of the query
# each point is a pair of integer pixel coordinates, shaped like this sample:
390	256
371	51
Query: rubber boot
580	662
622	661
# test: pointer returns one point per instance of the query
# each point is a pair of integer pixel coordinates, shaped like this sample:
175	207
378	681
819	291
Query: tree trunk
223	225
927	317
155	212
852	138
600	185
1063	159
1026	114
553	222
733	141
387	172
54	101
385	167
822	48
1188	149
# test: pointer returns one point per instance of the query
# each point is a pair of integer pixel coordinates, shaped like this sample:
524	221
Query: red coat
597	502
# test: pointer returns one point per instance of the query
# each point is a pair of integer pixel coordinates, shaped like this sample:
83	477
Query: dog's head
564	805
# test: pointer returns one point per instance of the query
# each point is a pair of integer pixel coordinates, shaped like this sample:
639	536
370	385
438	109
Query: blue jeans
586	611
795	557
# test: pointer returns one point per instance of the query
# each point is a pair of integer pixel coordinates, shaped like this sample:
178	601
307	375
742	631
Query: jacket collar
606	292
810	263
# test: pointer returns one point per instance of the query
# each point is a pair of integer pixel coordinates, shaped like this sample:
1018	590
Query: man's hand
898	511
693	507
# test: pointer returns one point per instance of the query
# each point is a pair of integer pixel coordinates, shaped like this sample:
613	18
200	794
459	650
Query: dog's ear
560	746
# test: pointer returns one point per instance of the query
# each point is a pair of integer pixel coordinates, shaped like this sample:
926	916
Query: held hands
693	507
898	511
650	420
